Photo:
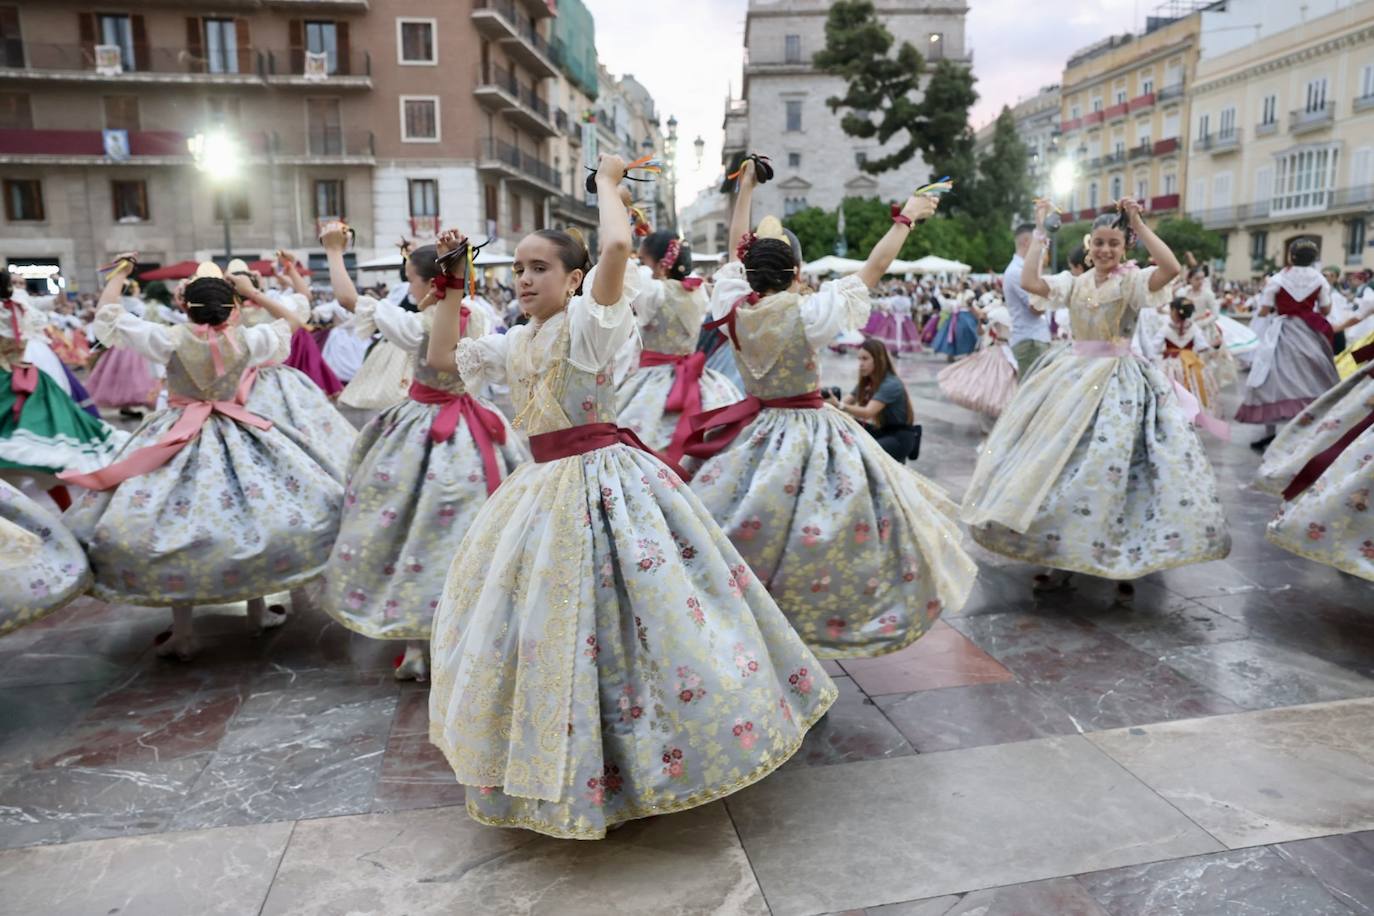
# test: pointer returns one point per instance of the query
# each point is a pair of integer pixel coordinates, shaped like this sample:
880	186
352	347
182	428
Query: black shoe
1260	445
131	413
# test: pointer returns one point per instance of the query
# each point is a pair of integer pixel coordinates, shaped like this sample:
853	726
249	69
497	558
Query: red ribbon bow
692	284
579	440
23	382
484	425
442	284
684	398
725	423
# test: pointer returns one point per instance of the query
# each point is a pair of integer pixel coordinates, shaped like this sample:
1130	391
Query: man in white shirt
1030	332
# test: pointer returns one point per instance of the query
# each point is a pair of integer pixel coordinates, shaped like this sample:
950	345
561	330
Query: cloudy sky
690	60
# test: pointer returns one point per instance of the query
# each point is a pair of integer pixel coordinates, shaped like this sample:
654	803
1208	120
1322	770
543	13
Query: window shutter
245	46
141	55
1362	167
195	43
295	30
341	38
87	31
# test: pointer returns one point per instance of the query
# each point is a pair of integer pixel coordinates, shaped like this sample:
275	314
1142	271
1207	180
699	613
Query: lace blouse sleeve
597	331
482	360
731	286
268	343
1061	287
115	327
841	305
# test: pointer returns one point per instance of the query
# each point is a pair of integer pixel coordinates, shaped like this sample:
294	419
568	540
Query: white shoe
413	666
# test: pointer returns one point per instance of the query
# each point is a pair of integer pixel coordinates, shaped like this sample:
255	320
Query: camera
1053	221
832	392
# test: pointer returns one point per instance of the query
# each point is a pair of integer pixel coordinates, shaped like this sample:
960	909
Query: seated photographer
880	401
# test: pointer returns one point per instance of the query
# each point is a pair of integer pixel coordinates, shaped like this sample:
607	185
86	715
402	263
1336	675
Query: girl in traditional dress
1294	364
601	652
1093	467
419	472
908	335
384	378
1178	348
986	381
672	381
1322	464
857	550
959	335
42	430
209	502
42	567
283	394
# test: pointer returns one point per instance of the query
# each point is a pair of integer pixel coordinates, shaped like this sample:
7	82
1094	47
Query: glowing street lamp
218	156
1063	179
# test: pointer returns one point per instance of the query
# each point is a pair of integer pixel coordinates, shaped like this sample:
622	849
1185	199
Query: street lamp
648	146
1063	178
699	145
218	157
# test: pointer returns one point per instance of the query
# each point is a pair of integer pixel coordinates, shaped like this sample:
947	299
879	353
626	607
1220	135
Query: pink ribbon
211	333
1192	410
485	425
23	382
194	415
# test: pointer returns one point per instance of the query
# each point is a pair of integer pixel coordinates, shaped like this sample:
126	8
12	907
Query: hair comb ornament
644	163
763	168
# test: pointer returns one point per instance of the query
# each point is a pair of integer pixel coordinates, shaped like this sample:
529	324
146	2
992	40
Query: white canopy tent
831	264
931	264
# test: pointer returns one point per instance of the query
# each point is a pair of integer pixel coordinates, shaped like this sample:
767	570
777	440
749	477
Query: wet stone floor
1208	750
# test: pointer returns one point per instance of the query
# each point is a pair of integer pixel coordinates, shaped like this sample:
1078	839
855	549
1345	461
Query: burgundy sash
579	440
485	425
1306	312
728	422
1318	464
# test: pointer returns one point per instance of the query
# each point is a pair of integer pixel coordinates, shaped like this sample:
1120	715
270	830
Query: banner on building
109	60
316	66
116	144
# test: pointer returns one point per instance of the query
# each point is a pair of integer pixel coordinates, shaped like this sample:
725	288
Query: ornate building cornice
1290	59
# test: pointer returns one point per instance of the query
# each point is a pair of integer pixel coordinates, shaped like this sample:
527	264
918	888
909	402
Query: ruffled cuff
365	317
853	299
480	360
105	325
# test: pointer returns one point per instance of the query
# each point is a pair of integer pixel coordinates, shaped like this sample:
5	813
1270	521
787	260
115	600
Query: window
1259	245
794	160
1269	113
1170	183
1228	122
415	41
1204	126
1142	189
121	112
1092	196
1097	103
794	115
323	38
420	119
118	30
1354	238
792	49
1116	187
424	197
1171	121
329	199
935	46
23	199
221	46
793	205
860	158
1221	190
1121	96
324	131
1367	81
1197	194
16	112
1264	185
1119	146
1142	133
1075	113
239	209
11	38
1304	180
1362	167
1147	84
1316	95
130	200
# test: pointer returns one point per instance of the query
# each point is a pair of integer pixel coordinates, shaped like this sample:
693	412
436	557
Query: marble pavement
1209	750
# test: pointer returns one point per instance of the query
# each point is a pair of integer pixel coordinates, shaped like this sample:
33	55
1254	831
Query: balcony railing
1300	122
1088	214
538	52
1141	151
1117	111
1268	128
1070	125
1164	202
40	145
1141	102
521	161
1169	93
1166	146
140	59
1225	141
293	63
325	143
1093	117
1113	158
496	76
1362	103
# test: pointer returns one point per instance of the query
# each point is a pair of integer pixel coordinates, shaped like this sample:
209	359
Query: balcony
499	21
1070	125
341	71
1362	103
1217	217
1087	215
1116	112
1216	144
1302	122
1167	146
302	6
1170	93
499	156
1141	102
1163	202
498	90
1267	129
1093	117
1115	157
55	63
1141	151
324	145
87	147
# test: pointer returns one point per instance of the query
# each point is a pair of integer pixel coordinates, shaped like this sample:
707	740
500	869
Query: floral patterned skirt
602	653
237	513
288	397
861	553
640	399
1093	468
1314	431
408	503
42	567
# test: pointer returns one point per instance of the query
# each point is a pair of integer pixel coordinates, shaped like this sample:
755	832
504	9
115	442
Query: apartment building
378	111
575	93
1124	111
782	109
1284	141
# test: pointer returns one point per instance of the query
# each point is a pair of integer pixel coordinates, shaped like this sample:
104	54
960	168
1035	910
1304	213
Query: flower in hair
670	256
745	243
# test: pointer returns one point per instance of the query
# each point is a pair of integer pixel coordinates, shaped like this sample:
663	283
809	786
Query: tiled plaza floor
1208	750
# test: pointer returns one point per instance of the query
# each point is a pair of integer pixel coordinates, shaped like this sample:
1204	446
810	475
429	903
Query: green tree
815	229
880	99
1004	188
1184	235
